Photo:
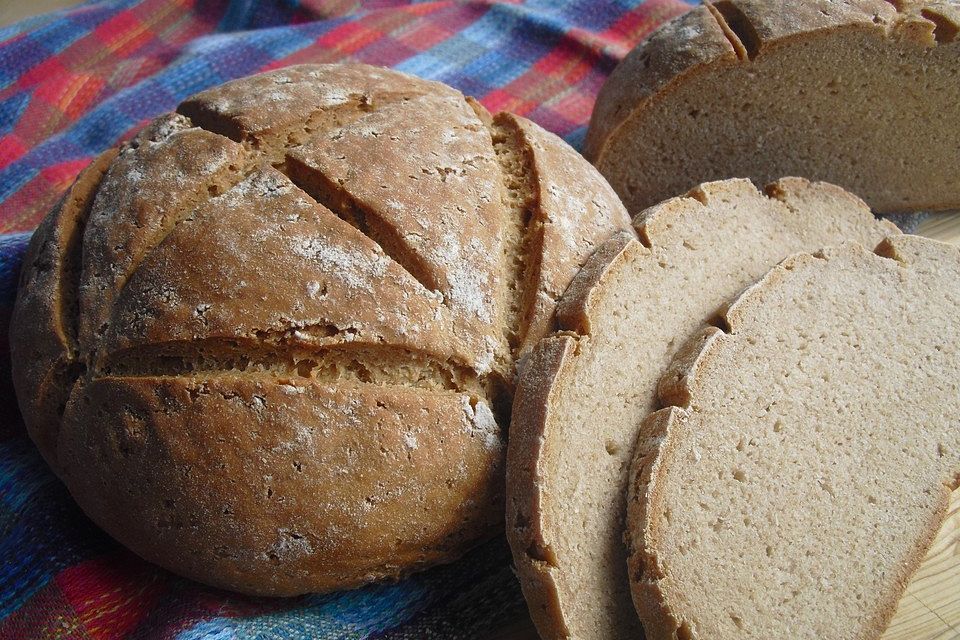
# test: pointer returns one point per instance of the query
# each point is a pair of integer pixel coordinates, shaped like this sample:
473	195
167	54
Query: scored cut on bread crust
347	255
761	89
584	391
807	459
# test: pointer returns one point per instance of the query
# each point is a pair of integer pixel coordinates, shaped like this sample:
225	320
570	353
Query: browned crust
663	430
772	24
231	109
532	553
665	58
527	254
561	241
429	200
542	374
243	512
43	333
674	386
367	308
654	453
154	183
577	304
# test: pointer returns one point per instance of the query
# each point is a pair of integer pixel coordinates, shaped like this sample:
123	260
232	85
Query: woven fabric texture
76	82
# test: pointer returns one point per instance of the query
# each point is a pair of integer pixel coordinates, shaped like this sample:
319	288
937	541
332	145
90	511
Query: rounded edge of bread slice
742	100
540	377
729	231
695	430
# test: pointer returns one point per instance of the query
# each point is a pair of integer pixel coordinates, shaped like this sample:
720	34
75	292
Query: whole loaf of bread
270	343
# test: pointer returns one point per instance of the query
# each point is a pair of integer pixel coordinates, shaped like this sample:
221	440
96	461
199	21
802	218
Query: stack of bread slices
747	424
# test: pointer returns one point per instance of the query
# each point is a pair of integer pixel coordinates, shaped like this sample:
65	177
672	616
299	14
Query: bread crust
637	79
329	486
700	42
579	302
659	601
529	540
564	243
43	335
284	297
655	450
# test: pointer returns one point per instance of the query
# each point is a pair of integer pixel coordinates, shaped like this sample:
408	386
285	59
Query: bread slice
855	92
809	461
585	390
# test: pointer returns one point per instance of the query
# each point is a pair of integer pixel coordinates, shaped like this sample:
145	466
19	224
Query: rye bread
808	460
269	343
860	93
585	390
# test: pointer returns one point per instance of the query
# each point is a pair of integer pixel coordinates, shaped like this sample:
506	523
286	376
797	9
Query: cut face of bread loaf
858	93
808	463
584	391
269	344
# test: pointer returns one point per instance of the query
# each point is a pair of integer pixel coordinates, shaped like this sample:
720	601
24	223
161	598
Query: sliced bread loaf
860	93
585	390
809	460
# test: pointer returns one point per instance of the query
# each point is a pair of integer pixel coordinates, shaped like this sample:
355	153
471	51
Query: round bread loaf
269	343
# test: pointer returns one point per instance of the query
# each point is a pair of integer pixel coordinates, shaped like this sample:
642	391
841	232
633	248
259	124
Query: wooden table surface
13	10
930	609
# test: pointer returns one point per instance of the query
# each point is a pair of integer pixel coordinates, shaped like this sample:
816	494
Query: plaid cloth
73	83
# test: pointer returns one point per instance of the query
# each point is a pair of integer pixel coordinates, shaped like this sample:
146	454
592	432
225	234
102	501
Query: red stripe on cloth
45	615
634	26
11	148
111	594
122	34
394	47
121	52
502	100
349	37
175	22
576	106
570	65
60	176
71	94
25	208
51	67
425	35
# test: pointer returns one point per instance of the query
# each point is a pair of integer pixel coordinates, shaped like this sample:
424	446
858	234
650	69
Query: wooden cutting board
930	608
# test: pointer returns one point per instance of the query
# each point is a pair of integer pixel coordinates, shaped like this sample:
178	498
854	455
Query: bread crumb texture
860	93
808	462
269	343
585	390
